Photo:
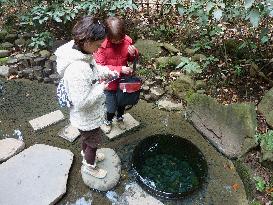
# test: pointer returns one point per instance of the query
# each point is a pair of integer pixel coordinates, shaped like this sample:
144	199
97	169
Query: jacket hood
66	55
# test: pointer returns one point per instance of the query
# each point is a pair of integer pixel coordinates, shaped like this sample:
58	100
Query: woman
81	80
115	52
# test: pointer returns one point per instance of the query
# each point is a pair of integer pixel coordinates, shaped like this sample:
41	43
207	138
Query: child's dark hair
88	29
115	28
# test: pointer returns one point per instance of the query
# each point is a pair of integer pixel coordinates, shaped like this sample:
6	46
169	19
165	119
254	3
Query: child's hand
126	70
104	84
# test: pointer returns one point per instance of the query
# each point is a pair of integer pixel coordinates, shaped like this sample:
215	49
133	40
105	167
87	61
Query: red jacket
114	56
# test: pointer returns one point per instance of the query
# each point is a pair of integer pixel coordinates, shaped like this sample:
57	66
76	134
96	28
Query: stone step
46	120
129	122
69	133
10	147
111	164
37	175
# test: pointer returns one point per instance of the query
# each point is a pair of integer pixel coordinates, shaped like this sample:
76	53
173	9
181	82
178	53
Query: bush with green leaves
41	40
266	140
67	10
189	66
260	184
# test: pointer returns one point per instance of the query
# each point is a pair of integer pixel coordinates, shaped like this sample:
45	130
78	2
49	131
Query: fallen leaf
269	190
235	186
12	77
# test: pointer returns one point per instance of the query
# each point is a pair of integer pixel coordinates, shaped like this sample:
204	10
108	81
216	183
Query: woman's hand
126	70
132	50
104	84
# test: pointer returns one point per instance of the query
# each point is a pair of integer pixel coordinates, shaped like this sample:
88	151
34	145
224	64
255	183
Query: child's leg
84	146
120	112
90	155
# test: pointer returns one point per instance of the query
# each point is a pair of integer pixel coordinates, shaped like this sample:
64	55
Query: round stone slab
112	164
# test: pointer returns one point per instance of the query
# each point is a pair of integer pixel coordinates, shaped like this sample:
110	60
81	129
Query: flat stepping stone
46	120
129	122
69	133
112	164
135	195
10	147
37	175
169	105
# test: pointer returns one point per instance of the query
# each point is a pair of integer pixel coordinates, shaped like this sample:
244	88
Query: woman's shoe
94	171
99	156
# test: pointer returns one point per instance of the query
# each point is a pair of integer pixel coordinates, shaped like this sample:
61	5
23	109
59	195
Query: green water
169	174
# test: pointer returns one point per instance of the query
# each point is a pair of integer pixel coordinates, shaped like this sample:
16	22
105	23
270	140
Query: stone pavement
37	175
112	164
129	122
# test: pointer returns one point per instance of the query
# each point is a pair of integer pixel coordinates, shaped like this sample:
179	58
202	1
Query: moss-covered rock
231	128
265	107
3	34
182	86
168	61
266	143
247	176
170	48
198	57
190	52
148	48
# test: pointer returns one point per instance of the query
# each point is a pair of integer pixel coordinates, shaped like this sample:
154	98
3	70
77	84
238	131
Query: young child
82	83
115	52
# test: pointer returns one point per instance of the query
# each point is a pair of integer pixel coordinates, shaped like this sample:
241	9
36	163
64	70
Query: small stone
54	77
3	34
53	58
40	61
11	37
12	61
20	42
47	80
7	45
157	91
47	72
38	72
44	53
27	72
4	71
4	53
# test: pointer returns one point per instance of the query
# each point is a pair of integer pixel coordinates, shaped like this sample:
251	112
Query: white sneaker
121	124
107	126
94	171
99	156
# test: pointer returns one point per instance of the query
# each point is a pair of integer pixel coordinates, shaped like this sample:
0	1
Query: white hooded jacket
81	81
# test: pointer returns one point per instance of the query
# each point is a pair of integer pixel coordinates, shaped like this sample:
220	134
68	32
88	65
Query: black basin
168	166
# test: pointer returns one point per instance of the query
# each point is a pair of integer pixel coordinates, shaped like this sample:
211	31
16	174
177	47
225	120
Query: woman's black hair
88	29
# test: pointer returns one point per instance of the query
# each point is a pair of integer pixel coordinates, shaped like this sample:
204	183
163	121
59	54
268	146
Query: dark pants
112	107
90	142
120	113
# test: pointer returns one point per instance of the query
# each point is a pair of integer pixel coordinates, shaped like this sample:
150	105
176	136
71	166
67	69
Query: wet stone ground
23	100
